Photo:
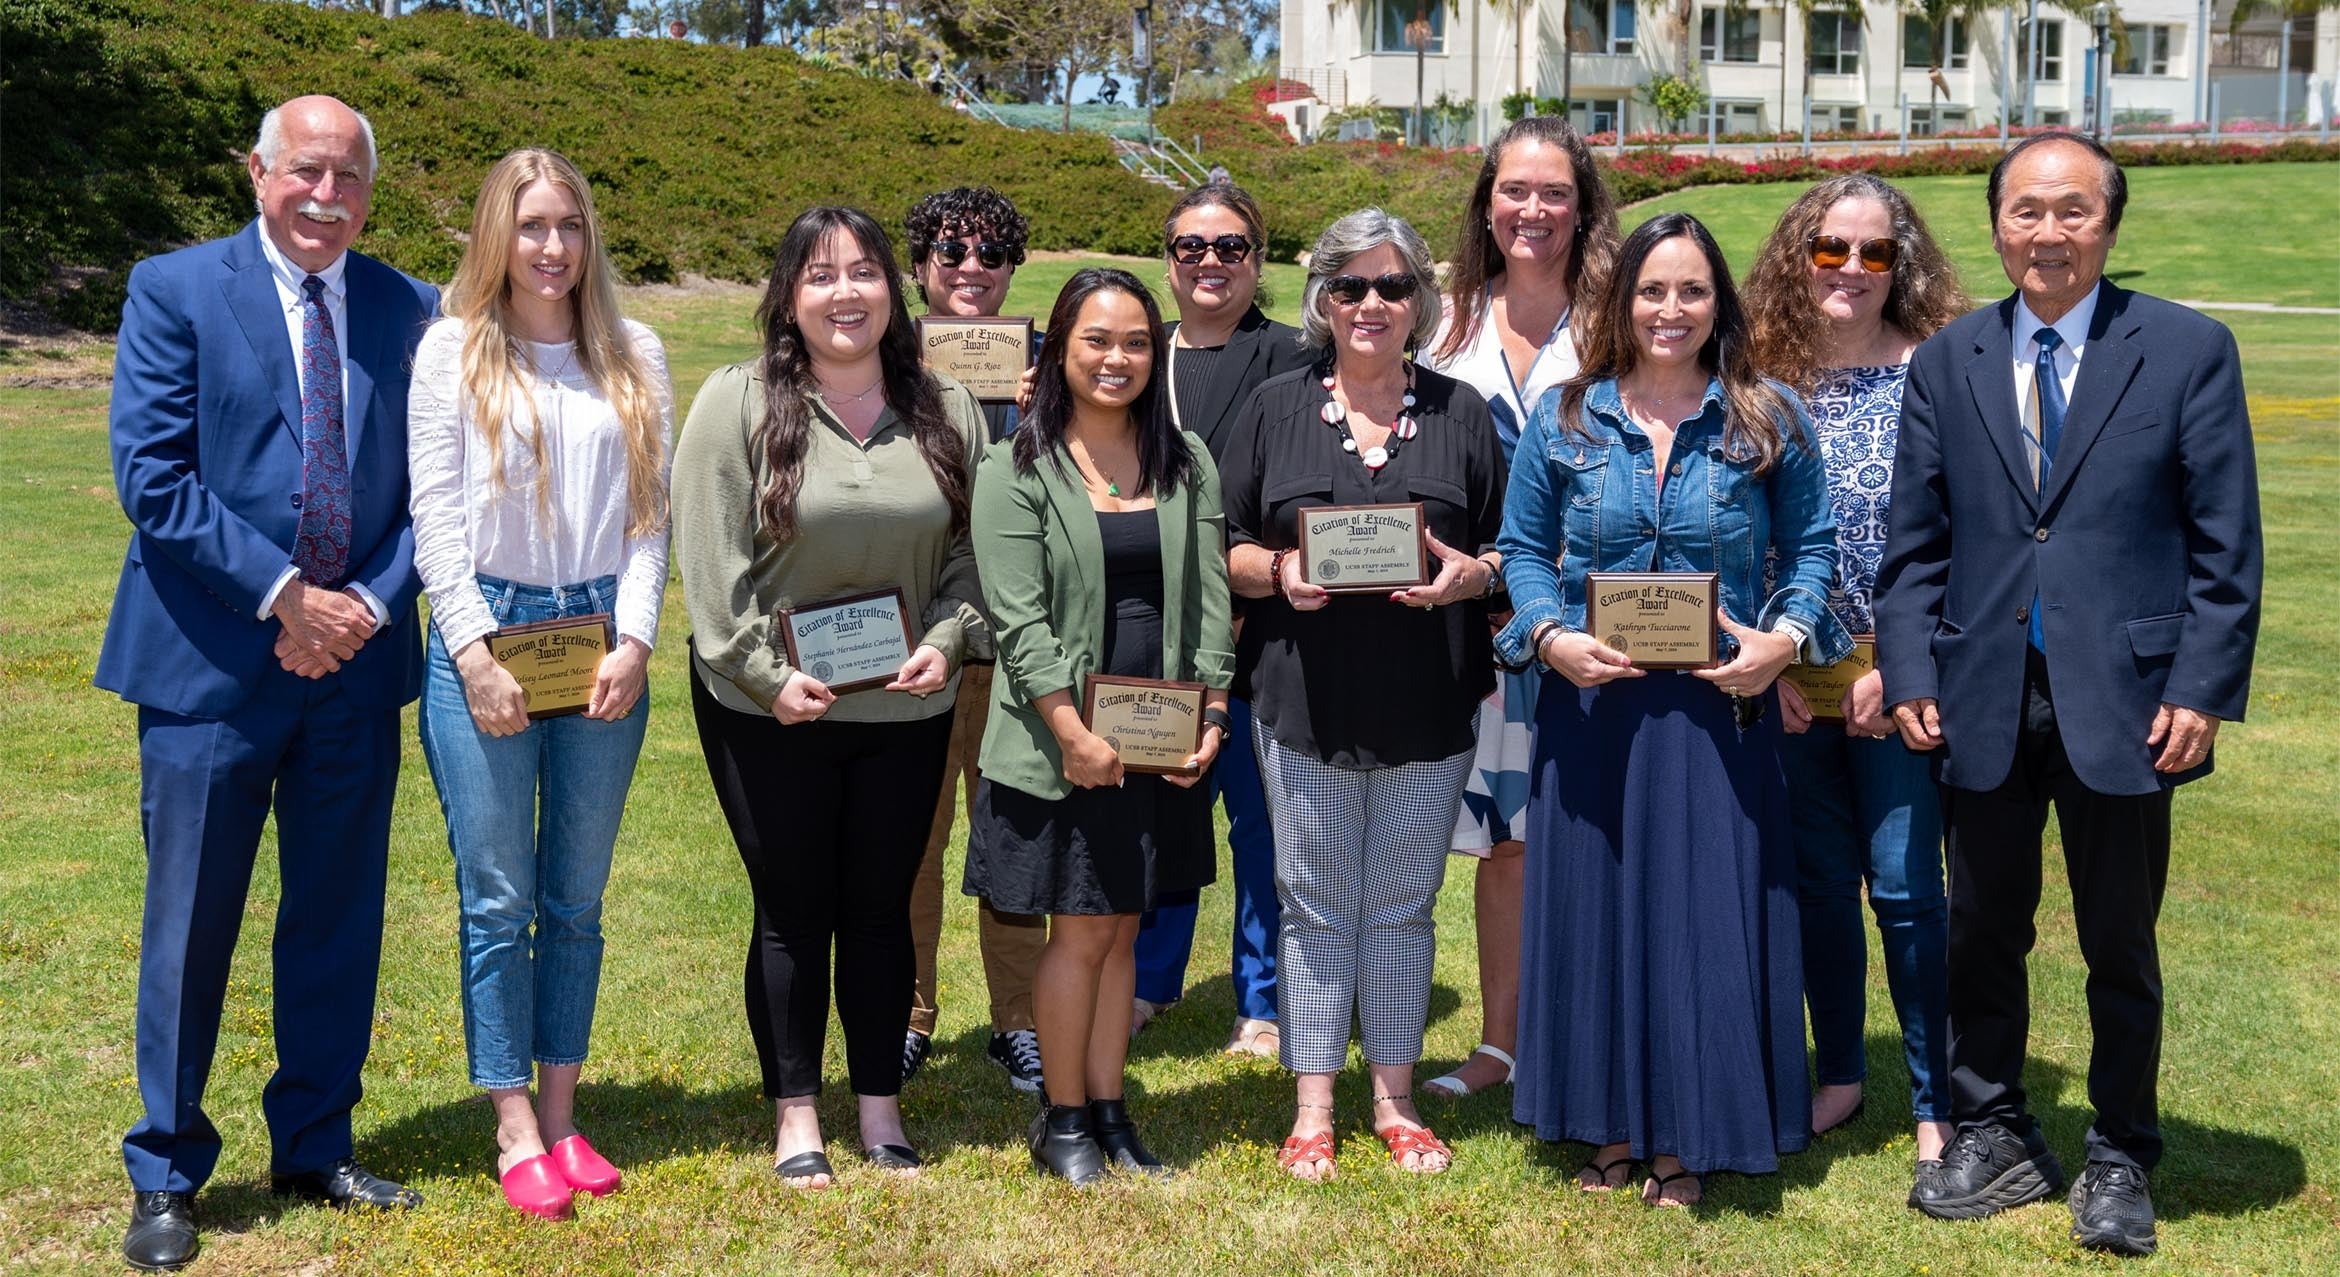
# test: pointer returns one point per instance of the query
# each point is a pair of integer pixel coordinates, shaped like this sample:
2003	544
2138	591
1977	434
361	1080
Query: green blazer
1042	564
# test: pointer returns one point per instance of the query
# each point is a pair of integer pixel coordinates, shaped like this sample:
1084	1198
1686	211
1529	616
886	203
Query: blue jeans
1869	810
1166	936
532	819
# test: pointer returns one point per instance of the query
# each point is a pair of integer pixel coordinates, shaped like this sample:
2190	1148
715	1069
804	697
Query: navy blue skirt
1661	984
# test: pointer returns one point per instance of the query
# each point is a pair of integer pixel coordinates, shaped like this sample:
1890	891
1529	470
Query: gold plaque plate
1153	724
554	661
1663	620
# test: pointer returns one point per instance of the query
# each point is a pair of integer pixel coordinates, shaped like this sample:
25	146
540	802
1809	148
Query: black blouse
1363	682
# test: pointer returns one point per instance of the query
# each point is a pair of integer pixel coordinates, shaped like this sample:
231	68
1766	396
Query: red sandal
1312	1148
1400	1140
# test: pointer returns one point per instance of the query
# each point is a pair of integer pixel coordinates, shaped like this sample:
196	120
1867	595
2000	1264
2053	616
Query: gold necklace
835	396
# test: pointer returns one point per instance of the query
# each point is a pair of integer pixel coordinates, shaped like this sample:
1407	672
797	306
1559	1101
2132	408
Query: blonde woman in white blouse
541	425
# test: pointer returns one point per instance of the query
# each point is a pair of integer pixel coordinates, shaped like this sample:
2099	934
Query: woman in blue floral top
1846	287
1661	1000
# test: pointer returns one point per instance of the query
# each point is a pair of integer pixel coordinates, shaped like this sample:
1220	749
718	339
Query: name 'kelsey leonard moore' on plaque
1357	549
851	643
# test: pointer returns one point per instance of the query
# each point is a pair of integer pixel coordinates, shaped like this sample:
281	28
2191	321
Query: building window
1733	117
1389	28
2051	51
1834	40
1828	117
1917	44
1728	36
1599	26
1926	121
1596	115
2149	51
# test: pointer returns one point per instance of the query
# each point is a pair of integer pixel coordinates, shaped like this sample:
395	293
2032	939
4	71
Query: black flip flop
1601	1171
893	1157
1659	1183
805	1166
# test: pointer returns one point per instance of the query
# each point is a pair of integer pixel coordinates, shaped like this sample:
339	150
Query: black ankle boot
1063	1145
1117	1138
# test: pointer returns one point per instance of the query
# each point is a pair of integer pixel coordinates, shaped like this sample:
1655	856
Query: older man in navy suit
2066	610
265	628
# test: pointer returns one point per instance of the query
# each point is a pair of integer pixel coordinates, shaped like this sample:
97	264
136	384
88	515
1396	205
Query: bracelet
1213	716
1541	635
1276	571
1494	579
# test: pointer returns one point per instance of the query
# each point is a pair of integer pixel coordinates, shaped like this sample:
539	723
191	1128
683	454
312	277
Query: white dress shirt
2073	329
468	523
288	278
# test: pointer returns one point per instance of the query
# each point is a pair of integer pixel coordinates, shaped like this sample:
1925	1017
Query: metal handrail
1192	169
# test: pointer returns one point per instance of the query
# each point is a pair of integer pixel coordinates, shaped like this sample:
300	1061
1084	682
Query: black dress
1100	851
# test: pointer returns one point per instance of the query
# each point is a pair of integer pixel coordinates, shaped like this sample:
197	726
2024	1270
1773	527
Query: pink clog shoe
535	1187
584	1168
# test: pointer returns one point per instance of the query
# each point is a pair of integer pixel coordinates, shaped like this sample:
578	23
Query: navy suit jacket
206	432
2143	549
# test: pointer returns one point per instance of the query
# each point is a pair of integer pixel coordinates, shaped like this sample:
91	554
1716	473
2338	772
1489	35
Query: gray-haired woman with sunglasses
1365	702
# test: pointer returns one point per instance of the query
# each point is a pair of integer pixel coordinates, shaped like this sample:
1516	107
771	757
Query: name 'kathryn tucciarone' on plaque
1663	620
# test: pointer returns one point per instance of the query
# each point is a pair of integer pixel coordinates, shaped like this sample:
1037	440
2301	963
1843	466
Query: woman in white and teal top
1845	289
1539	225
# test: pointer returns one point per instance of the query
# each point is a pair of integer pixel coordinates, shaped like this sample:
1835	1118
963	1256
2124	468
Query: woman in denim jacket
1661	994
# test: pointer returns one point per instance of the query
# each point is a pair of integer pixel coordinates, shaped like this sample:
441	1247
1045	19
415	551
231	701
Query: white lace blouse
466	525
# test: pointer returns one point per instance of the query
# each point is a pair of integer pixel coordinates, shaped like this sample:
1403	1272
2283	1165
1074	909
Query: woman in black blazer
1220	349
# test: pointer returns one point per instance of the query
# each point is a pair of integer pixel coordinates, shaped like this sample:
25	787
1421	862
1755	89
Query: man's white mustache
311	208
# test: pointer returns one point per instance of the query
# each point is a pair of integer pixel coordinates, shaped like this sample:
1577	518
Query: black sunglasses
951	252
1348	290
1188	250
1877	255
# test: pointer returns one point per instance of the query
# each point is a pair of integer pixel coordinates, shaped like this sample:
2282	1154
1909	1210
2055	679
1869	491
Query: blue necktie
2048	393
321	544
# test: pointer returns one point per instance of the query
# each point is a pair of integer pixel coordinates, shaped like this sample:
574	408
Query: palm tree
1419	30
1806	11
1938	15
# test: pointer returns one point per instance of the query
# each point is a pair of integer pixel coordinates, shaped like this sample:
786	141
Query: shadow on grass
2208	1169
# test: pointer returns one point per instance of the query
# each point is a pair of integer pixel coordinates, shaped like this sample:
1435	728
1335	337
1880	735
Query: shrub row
128	120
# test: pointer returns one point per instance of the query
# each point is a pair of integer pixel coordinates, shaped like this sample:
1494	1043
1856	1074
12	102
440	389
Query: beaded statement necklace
1400	430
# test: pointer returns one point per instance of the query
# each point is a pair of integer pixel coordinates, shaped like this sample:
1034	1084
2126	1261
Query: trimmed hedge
128	120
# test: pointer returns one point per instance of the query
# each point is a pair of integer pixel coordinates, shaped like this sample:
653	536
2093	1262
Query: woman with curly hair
1846	287
1539	232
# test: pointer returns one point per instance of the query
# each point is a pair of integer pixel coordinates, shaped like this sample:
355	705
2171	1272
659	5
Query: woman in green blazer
1102	551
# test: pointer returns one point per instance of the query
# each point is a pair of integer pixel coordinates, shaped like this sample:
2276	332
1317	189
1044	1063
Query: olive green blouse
868	517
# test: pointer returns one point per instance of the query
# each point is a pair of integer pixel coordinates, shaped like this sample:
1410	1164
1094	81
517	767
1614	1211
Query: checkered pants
1360	856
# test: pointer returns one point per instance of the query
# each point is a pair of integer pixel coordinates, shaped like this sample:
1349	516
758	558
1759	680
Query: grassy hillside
126	118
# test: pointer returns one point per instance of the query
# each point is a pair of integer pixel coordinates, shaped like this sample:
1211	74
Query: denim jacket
1579	505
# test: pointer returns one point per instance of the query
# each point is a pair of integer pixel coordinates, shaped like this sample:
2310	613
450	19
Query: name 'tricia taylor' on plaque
1364	549
1663	620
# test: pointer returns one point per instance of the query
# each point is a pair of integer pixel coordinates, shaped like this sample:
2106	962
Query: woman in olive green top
831	466
1103	552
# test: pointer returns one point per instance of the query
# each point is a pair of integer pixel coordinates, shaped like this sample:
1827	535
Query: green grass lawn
2249	1077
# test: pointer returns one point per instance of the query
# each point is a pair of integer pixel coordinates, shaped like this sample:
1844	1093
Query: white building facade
1867	62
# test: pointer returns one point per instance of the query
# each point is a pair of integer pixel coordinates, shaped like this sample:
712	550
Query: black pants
2116	851
831	821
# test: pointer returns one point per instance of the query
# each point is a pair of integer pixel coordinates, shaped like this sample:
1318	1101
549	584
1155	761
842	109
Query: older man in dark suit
2067	608
265	628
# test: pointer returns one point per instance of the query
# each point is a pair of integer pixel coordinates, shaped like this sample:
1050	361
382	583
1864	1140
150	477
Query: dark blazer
1259	349
206	432
2143	549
